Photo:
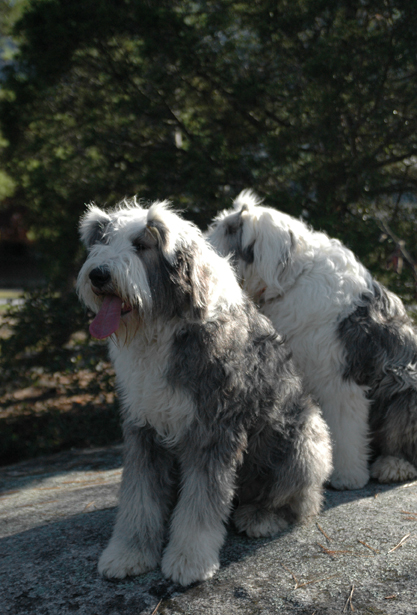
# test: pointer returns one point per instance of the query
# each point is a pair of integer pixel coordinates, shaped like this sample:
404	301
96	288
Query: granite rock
57	514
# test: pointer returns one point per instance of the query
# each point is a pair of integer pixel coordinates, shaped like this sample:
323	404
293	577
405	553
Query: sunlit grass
10	294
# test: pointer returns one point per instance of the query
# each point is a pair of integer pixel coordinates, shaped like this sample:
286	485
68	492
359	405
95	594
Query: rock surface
57	514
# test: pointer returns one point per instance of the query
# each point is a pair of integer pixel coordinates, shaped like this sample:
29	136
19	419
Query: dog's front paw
187	565
119	560
258	522
343	480
390	469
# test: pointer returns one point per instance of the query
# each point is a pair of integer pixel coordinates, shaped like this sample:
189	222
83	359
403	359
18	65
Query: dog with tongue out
214	414
105	282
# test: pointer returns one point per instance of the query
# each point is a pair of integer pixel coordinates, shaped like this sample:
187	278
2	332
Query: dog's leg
345	409
145	500
291	490
392	469
394	426
259	512
257	521
197	526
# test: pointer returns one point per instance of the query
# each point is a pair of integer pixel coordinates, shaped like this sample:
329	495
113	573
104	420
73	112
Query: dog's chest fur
146	396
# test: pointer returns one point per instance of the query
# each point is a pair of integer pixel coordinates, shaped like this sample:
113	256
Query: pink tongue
108	319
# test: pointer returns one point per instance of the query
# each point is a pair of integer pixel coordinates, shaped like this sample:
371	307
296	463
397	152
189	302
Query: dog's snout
100	276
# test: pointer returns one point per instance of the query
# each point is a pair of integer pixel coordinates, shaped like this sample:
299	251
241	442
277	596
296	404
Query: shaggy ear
273	250
158	227
199	282
93	225
155	231
193	279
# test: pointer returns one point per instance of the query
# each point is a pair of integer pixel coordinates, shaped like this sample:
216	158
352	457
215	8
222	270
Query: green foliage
41	327
10	11
311	103
7	185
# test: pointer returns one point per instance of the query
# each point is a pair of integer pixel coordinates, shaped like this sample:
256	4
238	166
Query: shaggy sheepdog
350	336
214	411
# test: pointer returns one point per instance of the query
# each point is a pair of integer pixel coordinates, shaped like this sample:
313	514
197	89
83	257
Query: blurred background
312	103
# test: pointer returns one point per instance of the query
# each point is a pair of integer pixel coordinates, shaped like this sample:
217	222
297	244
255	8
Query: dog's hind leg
285	485
145	501
394	426
392	469
257	521
345	409
272	517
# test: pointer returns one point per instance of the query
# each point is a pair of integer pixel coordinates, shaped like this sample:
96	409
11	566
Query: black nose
100	276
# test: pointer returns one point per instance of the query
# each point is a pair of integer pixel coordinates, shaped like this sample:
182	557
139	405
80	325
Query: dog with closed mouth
214	414
351	337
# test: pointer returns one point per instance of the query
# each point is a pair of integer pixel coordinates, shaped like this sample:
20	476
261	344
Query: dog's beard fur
213	406
323	300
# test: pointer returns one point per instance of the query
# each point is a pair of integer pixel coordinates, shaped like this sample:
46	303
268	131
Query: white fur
119	255
140	367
